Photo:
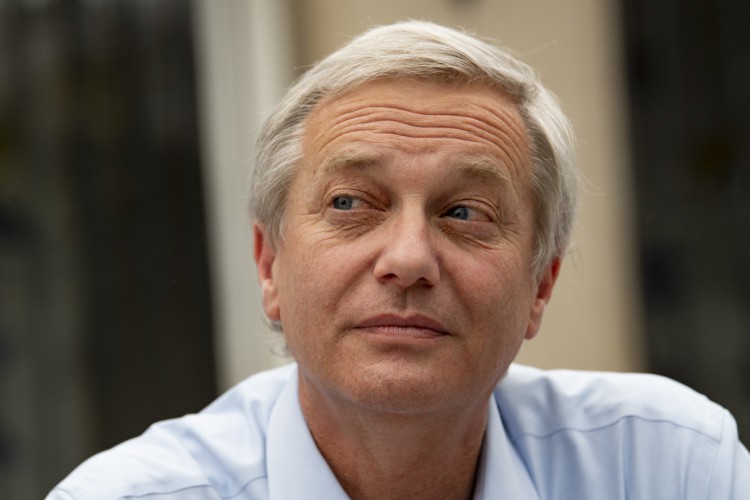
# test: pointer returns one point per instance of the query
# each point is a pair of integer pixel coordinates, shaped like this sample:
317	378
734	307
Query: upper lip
404	321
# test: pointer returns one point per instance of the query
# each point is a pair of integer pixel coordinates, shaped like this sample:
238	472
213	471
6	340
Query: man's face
403	276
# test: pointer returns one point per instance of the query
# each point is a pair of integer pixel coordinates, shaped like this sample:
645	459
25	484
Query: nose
408	255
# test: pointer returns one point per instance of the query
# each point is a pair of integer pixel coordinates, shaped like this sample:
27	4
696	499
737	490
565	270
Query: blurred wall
594	321
245	61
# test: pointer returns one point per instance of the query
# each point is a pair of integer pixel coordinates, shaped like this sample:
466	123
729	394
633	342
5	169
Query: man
413	199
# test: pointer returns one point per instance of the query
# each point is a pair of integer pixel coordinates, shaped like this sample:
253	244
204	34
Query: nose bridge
408	255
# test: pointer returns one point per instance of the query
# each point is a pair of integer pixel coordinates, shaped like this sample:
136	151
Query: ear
265	255
543	294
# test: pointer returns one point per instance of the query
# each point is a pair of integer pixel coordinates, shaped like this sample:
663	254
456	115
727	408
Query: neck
384	454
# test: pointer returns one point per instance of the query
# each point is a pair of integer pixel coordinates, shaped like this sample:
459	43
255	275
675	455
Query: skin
403	279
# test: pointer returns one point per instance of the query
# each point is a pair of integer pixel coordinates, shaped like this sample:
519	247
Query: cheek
314	284
498	297
494	280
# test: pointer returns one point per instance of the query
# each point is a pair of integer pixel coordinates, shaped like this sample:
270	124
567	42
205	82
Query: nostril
419	270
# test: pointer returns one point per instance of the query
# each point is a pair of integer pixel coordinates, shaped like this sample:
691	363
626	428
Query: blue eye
459	212
343	202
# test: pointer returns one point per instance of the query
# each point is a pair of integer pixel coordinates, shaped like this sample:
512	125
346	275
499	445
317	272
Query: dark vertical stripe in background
105	314
689	96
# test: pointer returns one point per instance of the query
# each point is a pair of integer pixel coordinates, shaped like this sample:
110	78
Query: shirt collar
296	469
501	473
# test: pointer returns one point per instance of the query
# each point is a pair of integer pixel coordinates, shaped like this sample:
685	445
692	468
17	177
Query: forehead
402	115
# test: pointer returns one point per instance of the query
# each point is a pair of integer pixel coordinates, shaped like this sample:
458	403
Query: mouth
414	327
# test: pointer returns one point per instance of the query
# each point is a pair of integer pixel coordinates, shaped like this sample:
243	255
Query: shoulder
216	453
642	434
541	402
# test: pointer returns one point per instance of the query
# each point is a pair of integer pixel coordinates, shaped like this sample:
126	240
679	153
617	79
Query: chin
404	390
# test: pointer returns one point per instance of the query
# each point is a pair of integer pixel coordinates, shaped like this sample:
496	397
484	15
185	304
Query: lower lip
401	333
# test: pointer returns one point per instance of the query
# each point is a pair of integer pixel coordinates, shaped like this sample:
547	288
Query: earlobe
543	294
265	256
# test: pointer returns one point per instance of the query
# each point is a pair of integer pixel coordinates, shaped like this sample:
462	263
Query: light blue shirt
550	435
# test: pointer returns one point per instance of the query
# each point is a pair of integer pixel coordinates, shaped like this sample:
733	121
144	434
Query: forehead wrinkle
423	118
468	126
395	113
469	129
513	131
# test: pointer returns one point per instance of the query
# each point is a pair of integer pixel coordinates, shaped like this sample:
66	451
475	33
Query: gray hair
427	51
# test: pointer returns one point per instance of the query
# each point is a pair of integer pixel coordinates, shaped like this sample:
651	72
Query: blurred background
127	293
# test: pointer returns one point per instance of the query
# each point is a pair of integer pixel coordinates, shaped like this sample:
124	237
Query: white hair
428	51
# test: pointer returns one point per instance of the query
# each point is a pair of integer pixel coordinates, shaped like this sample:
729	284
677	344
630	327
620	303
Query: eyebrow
484	169
347	161
476	168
